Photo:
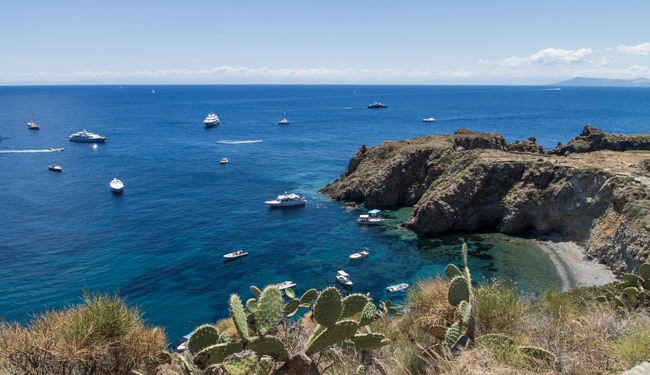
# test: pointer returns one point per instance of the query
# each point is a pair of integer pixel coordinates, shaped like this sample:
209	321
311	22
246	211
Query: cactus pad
495	340
240	363
368	314
453	334
633	278
256	291
440	332
202	337
269	309
353	304
185	365
223	338
464	311
458	290
328	307
290	293
251	305
265	365
216	354
238	316
291	307
451	271
342	330
270	346
644	271
309	296
370	341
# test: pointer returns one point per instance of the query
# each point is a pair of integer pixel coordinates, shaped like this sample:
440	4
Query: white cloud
549	56
639	49
459	73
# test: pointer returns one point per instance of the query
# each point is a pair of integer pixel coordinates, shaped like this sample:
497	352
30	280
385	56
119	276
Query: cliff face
471	181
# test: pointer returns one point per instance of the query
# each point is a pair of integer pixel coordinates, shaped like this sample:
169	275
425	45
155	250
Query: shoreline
570	261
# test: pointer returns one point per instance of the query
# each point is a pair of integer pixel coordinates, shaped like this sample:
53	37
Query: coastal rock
593	139
471	181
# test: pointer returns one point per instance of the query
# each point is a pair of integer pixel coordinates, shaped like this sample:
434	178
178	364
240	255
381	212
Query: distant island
604	82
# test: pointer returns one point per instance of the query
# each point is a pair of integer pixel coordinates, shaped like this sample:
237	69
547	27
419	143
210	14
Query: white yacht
343	278
87	137
285	285
32	125
116	185
235	254
285	200
284	120
360	255
211	120
372	218
55	168
397	287
428	119
224	161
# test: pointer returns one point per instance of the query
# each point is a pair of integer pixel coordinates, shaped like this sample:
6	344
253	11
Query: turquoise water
160	243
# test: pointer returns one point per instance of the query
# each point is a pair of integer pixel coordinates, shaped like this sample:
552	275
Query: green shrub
633	346
499	308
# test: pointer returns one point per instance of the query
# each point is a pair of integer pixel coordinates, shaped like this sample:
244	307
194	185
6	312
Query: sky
329	42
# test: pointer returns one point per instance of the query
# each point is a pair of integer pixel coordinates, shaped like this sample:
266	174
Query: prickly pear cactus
291	307
202	337
353	304
270	346
452	270
309	296
328	307
215	354
338	332
239	316
370	341
241	363
269	309
368	314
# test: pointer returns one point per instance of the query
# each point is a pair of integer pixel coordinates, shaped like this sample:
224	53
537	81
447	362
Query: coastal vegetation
444	326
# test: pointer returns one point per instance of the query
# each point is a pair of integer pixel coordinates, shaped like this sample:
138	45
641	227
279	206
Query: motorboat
224	161
286	200
56	149
343	278
377	105
211	120
235	254
372	218
428	119
184	342
285	285
87	137
55	168
397	288
116	185
360	255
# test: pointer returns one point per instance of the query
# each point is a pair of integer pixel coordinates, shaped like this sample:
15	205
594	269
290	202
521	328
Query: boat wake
30	151
239	141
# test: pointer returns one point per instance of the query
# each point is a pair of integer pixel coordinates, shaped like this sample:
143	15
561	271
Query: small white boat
285	284
55	168
32	124
284	120
285	200
360	255
116	185
235	254
86	137
397	287
224	161
377	105
56	149
183	345
372	218
211	120
428	119
343	278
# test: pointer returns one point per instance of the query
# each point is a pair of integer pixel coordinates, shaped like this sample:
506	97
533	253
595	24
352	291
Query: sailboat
32	125
284	120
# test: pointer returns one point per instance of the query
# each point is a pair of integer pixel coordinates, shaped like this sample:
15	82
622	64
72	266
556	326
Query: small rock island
593	191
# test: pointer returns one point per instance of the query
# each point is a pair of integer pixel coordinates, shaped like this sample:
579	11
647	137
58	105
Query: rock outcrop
473	181
593	139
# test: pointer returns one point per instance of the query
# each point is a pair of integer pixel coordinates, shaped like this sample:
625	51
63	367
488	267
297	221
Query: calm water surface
160	243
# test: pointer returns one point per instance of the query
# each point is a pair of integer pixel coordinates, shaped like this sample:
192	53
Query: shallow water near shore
160	243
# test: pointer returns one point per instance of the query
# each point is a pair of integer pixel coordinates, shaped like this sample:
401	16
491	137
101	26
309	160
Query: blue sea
160	243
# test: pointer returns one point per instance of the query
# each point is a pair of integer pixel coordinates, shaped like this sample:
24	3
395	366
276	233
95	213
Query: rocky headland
594	191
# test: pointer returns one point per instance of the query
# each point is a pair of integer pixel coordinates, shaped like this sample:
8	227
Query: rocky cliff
472	181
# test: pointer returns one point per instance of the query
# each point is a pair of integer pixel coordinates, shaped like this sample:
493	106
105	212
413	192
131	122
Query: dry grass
101	336
427	304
